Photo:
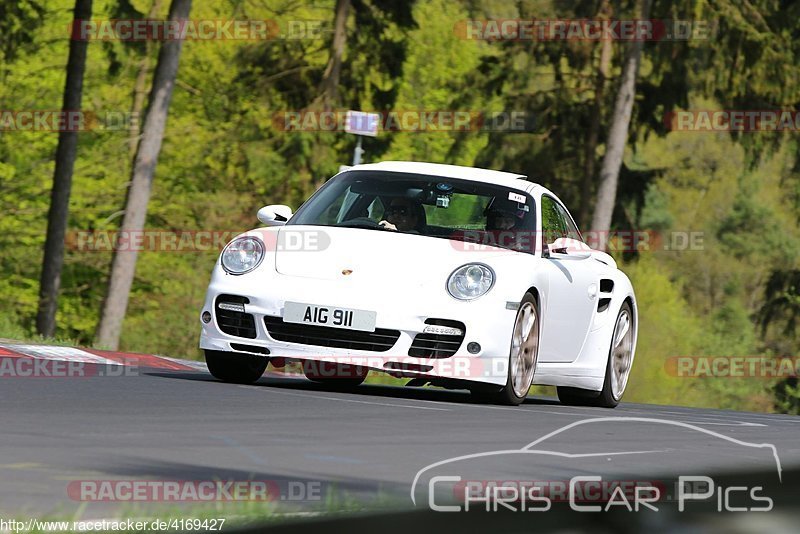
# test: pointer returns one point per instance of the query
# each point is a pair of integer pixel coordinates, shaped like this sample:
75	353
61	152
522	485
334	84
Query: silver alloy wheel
524	349
621	354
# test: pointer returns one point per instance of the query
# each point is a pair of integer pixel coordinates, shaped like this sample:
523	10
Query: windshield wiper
361	222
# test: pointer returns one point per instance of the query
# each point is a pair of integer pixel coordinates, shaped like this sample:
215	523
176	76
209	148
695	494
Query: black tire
600	399
333	375
506	395
234	367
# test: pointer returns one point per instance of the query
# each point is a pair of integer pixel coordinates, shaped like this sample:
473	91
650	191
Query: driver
404	215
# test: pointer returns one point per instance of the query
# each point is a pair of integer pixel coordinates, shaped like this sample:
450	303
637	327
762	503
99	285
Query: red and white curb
104	357
98	357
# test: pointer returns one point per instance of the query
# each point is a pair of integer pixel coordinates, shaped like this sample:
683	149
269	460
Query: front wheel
234	367
618	368
522	358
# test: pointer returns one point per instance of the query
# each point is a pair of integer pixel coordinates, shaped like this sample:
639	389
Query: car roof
517	181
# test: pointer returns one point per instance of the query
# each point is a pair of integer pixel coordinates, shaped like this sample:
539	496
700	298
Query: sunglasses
398	210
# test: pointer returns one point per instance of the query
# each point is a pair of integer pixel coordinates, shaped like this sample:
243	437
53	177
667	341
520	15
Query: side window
572	230
553	224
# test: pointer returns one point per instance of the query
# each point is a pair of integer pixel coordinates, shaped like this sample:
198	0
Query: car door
571	273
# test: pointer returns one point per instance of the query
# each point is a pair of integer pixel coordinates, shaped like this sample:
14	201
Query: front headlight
242	255
470	281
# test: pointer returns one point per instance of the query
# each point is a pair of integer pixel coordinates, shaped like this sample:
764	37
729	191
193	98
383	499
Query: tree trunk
139	87
590	154
57	216
123	265
329	88
617	137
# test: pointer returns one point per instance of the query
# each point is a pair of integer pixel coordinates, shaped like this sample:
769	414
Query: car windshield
425	205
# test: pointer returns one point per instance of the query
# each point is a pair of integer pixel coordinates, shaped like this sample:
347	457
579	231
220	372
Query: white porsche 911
454	276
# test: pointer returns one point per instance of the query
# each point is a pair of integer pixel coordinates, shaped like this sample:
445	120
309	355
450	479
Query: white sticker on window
516	197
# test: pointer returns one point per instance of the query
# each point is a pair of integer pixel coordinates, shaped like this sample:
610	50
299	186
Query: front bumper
488	321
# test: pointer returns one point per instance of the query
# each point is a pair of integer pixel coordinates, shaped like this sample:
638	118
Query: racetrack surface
181	424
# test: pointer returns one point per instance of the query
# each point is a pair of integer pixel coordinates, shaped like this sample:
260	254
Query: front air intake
381	340
231	317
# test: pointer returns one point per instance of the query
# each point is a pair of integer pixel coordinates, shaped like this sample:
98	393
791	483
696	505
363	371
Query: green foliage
749	229
669	328
19	21
655	211
433	79
787	396
742	216
666	329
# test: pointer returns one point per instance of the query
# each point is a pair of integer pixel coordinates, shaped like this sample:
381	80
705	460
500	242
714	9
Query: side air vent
603	304
606	285
440	339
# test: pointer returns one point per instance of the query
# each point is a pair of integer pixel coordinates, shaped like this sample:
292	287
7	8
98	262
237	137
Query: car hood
328	253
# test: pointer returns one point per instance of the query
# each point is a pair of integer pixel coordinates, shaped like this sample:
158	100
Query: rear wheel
618	368
522	358
235	367
331	374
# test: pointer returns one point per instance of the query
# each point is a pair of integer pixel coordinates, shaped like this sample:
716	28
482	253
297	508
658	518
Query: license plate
333	316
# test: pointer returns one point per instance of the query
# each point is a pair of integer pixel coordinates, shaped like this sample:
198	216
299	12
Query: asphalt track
370	443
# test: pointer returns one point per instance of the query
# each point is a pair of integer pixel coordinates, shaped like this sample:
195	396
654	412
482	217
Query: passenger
498	220
502	224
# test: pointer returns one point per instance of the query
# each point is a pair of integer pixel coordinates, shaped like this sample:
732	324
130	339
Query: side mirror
565	247
274	214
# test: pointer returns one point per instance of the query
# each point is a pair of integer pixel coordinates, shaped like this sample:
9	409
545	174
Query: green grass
12	330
